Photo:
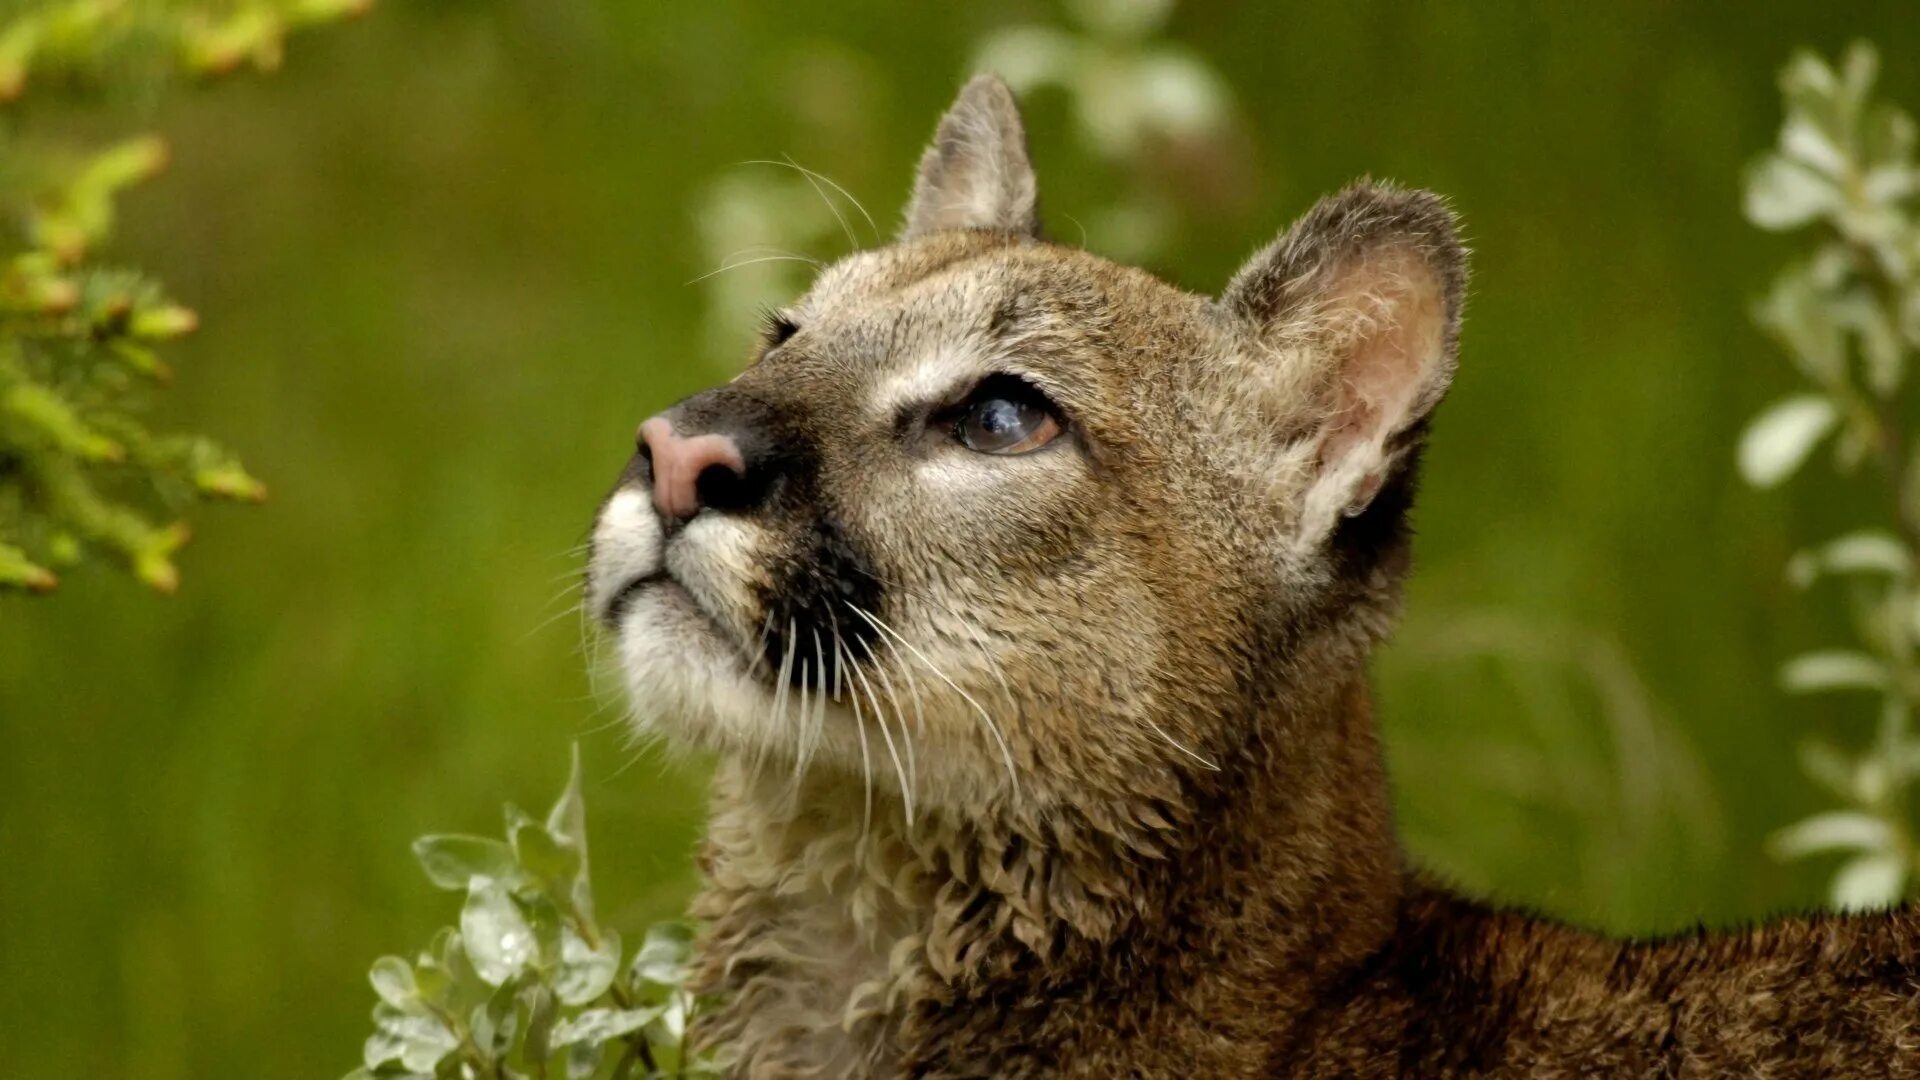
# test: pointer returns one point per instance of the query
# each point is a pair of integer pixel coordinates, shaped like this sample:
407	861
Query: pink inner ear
1387	317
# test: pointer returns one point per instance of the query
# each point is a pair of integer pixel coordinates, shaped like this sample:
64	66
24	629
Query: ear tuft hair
976	174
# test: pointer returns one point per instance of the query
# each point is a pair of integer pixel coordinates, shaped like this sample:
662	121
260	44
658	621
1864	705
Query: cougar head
990	520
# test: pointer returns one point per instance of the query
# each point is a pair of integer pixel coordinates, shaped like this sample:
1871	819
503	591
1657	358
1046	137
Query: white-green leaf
1785	194
452	861
392	979
1870	882
1779	439
1868	551
663	955
599	1025
585	972
567	822
670	1027
417	1041
1834	669
380	1048
1837	830
498	940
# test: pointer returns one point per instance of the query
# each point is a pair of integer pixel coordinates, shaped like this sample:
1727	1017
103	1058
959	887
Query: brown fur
1064	764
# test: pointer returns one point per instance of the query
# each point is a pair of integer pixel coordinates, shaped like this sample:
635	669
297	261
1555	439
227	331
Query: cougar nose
691	472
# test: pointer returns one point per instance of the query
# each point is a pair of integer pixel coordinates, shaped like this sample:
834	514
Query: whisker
780	694
829	181
554	618
1158	730
832	207
1005	752
866	757
752	262
880	720
906	736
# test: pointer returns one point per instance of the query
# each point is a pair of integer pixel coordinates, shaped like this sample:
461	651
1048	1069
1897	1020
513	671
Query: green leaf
663	954
1833	669
493	1024
498	940
546	856
393	980
541	1012
583	1059
600	1025
545	919
584	971
1836	830
452	861
1779	439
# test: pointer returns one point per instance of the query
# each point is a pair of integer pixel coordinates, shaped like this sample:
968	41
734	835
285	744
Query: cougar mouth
623	597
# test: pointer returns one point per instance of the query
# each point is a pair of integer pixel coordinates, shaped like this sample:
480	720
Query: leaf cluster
528	983
81	338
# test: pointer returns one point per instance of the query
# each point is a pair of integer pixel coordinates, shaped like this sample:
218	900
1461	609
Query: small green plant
78	471
529	984
1849	318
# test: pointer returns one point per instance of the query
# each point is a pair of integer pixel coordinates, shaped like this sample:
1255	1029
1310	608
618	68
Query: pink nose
678	463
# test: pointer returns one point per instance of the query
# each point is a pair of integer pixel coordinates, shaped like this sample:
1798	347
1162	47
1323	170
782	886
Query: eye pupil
1001	417
1006	417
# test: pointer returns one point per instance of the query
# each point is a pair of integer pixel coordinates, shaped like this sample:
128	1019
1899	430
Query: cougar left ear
976	175
1367	289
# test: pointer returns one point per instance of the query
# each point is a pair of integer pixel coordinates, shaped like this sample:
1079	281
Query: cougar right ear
1369	285
976	174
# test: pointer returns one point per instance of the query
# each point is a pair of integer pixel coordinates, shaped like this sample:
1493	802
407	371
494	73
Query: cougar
1025	601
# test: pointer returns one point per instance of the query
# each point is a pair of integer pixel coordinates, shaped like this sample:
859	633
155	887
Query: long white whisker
832	207
551	619
859	725
1158	730
880	719
814	705
827	180
780	692
906	736
751	262
1005	752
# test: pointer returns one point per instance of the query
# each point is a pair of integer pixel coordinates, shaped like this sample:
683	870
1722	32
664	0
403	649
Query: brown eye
1006	416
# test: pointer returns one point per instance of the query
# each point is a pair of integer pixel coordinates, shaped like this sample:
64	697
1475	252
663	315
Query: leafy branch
79	339
529	984
1849	318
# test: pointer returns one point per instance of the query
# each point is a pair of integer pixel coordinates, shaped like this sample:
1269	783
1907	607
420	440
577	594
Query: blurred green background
446	260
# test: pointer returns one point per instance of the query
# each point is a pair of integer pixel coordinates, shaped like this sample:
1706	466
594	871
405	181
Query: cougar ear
976	175
1366	289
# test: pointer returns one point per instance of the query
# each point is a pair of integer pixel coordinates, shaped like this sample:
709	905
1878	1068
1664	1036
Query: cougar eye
1005	415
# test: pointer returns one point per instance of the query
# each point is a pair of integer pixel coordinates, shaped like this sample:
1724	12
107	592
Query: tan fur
1063	763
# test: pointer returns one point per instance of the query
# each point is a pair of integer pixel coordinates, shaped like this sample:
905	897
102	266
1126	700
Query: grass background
443	263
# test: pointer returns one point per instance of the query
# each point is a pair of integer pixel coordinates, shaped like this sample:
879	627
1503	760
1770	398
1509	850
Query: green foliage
78	337
529	983
1849	318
